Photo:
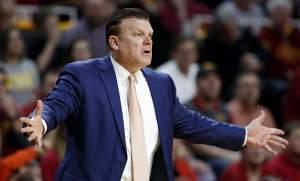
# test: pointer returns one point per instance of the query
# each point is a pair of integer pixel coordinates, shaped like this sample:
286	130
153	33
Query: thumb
261	117
39	108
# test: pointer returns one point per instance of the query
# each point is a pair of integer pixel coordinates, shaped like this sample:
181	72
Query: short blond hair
271	4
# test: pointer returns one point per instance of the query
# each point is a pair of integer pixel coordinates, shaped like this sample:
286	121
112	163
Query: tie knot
132	78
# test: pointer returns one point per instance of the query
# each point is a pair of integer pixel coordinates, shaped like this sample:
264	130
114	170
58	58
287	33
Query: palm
261	136
34	128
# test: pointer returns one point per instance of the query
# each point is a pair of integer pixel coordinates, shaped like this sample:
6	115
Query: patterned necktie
139	161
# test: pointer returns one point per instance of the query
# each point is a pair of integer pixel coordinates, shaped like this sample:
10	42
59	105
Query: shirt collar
122	74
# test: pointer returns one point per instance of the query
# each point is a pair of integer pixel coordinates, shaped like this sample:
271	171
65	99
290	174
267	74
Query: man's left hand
261	136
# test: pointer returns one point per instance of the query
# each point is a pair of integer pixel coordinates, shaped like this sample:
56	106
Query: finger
261	116
31	137
39	142
276	131
276	143
26	121
27	130
268	148
39	108
279	139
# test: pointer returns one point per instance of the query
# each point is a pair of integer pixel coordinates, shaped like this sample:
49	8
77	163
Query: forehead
248	79
133	24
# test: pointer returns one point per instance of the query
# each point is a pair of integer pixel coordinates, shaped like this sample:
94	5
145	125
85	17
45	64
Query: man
245	103
281	41
92	25
246	11
108	139
248	168
208	102
183	68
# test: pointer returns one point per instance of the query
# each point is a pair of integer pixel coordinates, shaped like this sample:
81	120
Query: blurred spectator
207	99
291	104
212	4
286	166
42	42
23	76
8	110
270	97
80	49
250	63
247	12
14	166
176	14
76	3
226	43
208	102
92	25
11	139
31	171
7	14
249	168
54	144
282	40
245	106
187	167
48	82
183	68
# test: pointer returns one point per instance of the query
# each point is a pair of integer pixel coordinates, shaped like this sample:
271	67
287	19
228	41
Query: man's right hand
33	128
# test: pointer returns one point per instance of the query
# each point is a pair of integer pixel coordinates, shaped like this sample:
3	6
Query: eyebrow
138	29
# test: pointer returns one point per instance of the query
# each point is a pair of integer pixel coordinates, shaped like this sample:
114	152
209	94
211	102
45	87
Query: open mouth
147	51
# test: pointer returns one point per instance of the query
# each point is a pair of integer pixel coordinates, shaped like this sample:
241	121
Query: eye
138	34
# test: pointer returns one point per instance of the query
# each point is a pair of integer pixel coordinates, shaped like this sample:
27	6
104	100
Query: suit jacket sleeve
64	99
198	128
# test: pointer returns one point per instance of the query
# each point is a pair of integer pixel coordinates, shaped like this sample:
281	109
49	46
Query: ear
113	42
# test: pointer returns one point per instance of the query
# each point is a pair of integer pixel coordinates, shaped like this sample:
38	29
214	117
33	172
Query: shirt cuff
45	126
246	137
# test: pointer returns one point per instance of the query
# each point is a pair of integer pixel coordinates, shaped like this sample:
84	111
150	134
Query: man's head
247	88
208	82
280	11
129	38
98	11
49	81
250	62
7	8
185	52
253	156
292	133
13	43
81	49
244	4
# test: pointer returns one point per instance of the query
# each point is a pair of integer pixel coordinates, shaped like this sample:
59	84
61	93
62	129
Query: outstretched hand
261	136
33	128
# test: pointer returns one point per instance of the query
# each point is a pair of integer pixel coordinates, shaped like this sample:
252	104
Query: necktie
137	138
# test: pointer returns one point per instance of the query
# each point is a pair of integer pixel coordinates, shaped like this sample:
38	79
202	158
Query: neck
128	67
12	59
241	5
253	171
246	106
183	69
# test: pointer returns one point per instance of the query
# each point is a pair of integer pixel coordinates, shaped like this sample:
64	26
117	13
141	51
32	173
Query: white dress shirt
148	114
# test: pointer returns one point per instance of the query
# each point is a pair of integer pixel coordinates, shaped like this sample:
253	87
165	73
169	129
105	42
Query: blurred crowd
229	60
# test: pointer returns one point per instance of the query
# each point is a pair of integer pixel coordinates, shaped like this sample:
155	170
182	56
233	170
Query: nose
148	40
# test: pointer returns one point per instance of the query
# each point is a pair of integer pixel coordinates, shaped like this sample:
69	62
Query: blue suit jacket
87	101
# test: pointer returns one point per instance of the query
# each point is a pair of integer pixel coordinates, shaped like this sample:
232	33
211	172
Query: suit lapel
110	82
155	94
